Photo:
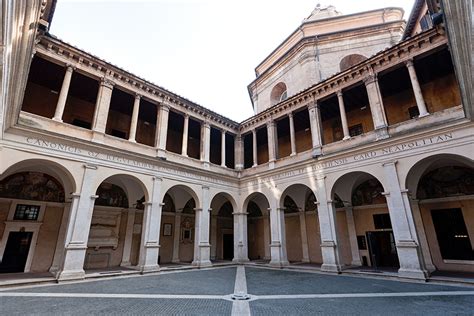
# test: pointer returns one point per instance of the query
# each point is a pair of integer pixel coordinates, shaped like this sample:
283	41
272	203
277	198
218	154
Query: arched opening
32	211
116	224
177	235
222	228
279	93
303	239
258	227
363	223
442	202
351	60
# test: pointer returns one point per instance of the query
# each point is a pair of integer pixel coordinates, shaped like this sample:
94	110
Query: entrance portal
16	252
382	249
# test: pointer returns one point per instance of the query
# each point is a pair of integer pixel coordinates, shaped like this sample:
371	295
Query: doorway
16	252
451	231
382	249
228	245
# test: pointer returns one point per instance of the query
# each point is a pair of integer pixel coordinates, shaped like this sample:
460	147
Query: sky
203	50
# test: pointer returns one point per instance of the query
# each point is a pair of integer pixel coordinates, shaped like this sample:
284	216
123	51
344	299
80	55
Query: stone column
202	246
127	247
425	249
176	236
162	129
327	228
409	252
213	237
420	102
278	243
184	148
150	241
223	148
206	142
304	236
102	105
352	236
58	114
133	124
239	153
61	242
271	133
241	253
315	125
292	134
78	228
376	106
342	110
254	143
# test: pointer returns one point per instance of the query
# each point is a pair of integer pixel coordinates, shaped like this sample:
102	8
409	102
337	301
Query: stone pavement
239	291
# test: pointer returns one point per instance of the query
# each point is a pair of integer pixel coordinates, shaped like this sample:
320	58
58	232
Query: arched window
279	93
350	60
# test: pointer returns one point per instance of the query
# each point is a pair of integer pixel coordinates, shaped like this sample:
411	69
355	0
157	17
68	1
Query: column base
126	264
271	165
98	137
356	263
381	133
316	152
334	268
413	274
346	138
70	275
57	119
161	153
305	260
423	115
244	260
278	263
149	269
202	263
175	261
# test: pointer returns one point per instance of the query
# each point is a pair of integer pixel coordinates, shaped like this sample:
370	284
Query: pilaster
376	106
102	106
162	129
315	125
240	237
278	238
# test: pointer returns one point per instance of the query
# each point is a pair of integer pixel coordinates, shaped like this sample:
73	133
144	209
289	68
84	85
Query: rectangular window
413	112
26	212
382	221
356	130
361	242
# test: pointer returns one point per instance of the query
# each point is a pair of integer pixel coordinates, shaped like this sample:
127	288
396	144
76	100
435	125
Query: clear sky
203	50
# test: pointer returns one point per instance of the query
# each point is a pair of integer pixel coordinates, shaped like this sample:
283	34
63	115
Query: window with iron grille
356	130
24	212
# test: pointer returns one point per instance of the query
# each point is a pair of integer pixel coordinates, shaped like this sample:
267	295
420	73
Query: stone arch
361	210
181	193
222	230
351	60
427	164
441	188
52	168
279	93
256	205
134	187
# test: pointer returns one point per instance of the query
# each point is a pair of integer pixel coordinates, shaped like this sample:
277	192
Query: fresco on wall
111	195
35	186
446	181
368	193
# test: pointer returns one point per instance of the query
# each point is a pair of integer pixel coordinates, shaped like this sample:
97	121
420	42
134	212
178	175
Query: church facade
359	155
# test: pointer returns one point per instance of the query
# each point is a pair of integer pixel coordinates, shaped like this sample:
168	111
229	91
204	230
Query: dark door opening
451	231
16	252
228	244
382	249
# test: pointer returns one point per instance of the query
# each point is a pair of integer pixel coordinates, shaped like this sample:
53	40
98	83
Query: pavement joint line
240	287
226	297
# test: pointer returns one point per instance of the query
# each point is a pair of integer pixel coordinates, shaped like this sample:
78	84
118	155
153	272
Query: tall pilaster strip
101	113
315	125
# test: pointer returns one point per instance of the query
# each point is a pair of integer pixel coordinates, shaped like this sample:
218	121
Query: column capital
390	163
409	62
313	105
70	67
157	179
370	79
90	166
223	131
290	114
164	107
206	124
339	93
106	82
138	96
